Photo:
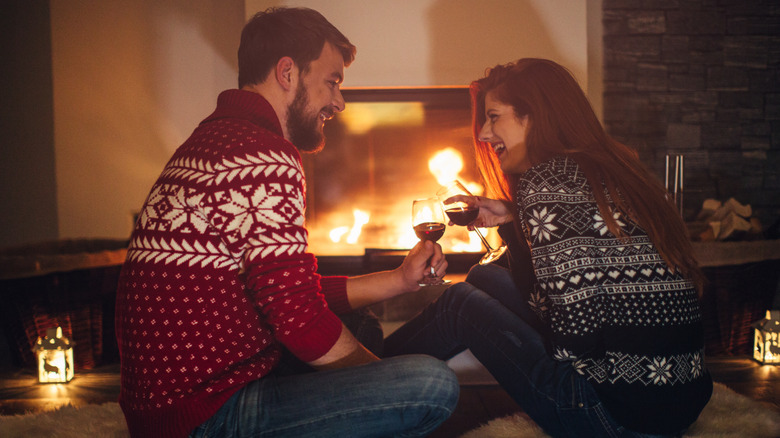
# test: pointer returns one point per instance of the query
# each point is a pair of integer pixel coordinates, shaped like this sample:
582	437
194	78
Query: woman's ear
285	72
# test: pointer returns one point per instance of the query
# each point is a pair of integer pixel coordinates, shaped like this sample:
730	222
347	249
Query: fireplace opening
389	147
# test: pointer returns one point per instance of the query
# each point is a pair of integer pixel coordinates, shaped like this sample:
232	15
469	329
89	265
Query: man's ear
285	72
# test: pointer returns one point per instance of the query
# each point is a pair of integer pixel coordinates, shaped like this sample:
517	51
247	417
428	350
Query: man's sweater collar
246	105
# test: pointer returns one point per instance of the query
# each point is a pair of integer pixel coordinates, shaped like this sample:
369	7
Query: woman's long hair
563	123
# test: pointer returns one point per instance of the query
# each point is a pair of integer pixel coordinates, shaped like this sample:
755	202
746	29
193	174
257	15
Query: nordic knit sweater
217	277
629	324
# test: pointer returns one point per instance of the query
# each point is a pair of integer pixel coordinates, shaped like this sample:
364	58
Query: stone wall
701	78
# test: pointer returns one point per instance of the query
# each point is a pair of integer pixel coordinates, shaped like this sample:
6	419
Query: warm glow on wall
362	117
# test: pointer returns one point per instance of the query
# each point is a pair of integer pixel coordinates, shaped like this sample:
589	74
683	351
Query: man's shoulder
227	138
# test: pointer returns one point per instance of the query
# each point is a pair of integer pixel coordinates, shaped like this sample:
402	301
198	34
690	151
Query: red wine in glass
429	231
462	216
428	224
463	213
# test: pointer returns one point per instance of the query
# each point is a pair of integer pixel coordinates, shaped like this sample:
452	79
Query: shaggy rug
91	421
727	415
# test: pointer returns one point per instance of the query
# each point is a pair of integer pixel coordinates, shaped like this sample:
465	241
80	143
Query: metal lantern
767	338
55	357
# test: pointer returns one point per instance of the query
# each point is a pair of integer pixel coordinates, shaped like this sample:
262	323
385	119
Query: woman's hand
492	212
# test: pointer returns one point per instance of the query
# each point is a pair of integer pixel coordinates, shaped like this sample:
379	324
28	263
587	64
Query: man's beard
303	128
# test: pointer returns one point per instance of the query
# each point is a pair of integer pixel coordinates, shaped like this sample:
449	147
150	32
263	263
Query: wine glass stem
484	241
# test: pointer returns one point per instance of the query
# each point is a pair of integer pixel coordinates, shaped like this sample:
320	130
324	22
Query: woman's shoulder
558	163
560	173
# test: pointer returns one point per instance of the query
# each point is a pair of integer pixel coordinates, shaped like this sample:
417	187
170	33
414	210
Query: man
217	284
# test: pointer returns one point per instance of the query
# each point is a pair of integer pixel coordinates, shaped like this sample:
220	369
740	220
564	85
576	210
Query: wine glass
463	214
428	224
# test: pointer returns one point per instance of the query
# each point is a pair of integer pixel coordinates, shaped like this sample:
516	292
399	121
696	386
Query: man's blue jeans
400	397
486	316
406	396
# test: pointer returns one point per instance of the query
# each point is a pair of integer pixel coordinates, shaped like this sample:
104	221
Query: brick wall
701	78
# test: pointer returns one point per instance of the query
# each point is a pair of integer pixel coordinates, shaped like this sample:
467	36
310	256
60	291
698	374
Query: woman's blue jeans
406	396
486	315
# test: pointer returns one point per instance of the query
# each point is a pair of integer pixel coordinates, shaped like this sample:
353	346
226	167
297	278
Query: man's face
317	99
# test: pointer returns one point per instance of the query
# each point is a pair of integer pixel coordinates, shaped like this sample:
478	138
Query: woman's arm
559	214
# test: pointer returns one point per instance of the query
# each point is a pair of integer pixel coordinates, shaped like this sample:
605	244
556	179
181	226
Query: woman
597	331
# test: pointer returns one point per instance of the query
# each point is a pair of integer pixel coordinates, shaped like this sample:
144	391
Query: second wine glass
428	223
462	213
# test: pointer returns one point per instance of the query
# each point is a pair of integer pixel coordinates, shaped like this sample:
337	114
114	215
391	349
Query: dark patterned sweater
628	323
217	277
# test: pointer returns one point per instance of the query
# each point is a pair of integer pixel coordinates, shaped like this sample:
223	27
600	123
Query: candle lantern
55	357
766	347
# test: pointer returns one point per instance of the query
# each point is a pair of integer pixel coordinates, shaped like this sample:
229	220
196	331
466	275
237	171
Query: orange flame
445	165
361	218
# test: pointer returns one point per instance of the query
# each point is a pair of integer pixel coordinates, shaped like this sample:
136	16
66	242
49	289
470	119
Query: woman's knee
462	296
490	276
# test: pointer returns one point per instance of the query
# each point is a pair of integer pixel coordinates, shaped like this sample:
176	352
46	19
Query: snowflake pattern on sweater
217	277
603	296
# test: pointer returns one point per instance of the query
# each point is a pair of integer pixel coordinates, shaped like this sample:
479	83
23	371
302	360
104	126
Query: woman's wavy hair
562	122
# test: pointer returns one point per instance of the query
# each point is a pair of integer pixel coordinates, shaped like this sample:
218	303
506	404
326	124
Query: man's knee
432	379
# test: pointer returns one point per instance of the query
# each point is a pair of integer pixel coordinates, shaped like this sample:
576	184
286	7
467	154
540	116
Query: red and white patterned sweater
217	276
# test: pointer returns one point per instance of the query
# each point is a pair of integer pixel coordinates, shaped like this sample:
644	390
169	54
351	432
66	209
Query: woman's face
506	133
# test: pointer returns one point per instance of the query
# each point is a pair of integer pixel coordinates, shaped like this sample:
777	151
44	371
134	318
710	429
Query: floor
481	399
479	402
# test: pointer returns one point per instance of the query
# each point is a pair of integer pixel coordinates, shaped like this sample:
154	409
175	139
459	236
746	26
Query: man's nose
338	101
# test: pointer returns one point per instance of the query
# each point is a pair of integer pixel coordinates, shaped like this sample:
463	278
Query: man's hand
372	288
418	263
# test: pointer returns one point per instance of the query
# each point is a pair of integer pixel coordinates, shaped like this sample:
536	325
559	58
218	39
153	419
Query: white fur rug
727	415
91	421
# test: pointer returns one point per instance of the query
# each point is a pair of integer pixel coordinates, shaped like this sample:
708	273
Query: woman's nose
485	134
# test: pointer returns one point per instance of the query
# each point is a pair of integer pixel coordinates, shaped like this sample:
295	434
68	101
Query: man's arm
346	352
373	288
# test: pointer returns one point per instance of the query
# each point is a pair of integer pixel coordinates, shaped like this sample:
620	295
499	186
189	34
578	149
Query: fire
424	215
445	165
336	233
361	218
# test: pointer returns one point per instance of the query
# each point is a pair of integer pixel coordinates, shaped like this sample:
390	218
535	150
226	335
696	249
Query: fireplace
389	147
